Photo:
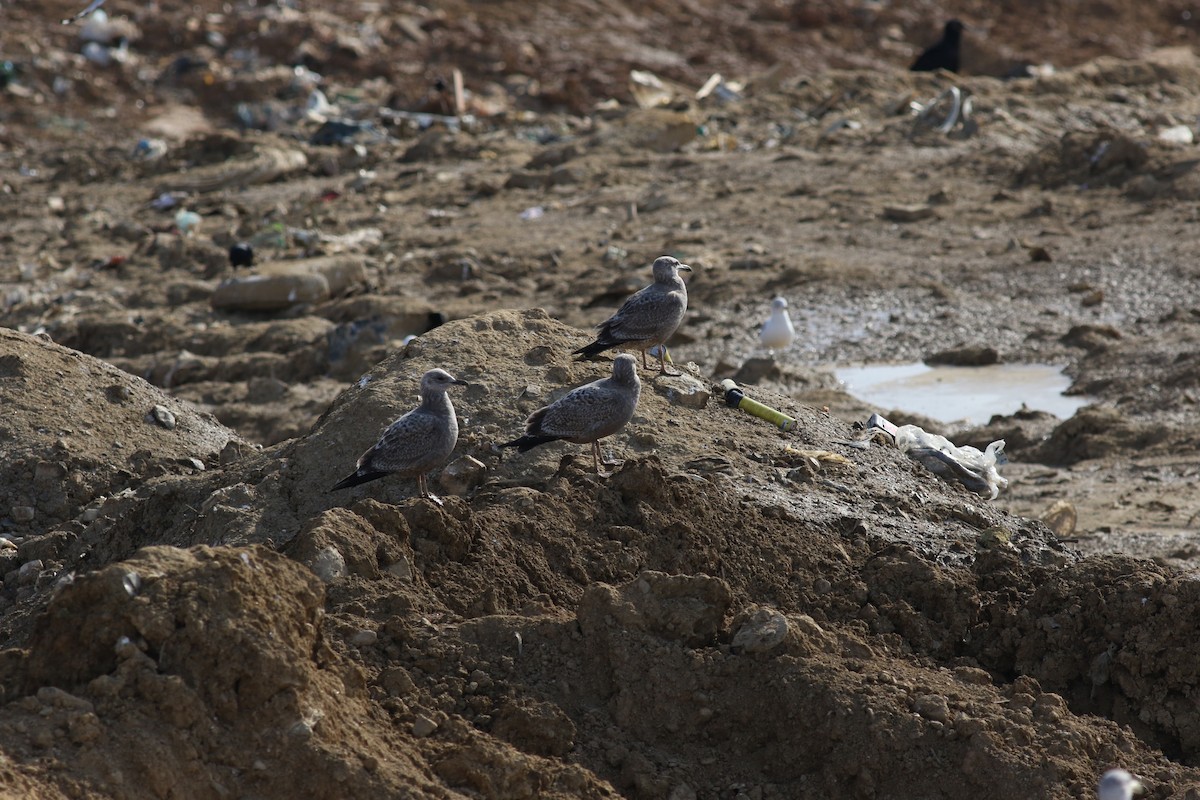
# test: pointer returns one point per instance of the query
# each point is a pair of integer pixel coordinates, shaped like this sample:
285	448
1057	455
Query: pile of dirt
738	611
554	634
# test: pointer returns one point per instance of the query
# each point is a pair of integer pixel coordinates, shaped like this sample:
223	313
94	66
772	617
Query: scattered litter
166	201
716	86
648	89
967	465
794	454
950	109
149	149
318	108
534	212
1177	134
425	121
844	123
92	6
187	221
736	398
340	131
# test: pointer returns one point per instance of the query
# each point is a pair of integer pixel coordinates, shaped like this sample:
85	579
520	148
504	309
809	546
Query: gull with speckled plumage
648	317
587	414
417	442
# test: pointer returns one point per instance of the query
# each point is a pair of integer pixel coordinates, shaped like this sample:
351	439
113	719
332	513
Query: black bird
241	255
943	54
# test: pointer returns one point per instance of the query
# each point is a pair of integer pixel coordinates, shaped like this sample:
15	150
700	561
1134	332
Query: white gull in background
777	332
1117	784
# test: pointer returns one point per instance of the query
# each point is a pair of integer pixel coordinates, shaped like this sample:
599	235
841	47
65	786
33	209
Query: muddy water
957	394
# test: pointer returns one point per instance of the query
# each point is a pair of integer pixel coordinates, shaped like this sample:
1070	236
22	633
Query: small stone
1039	254
462	475
402	569
163	416
683	390
262	389
23	513
269	292
754	370
423	726
966	356
907	213
328	564
764	630
364	638
84	728
1061	518
48	472
60	698
932	707
29	572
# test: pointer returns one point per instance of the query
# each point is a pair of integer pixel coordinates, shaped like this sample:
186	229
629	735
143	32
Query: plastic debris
973	468
648	89
736	398
187	221
1177	134
241	255
950	109
534	212
92	6
149	149
723	90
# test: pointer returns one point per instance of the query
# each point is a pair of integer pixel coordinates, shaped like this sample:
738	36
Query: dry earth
738	612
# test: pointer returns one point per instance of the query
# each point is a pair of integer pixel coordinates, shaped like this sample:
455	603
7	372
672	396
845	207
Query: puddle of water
951	394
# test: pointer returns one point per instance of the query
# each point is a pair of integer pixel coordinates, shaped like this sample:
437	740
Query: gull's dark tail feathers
356	478
594	349
527	442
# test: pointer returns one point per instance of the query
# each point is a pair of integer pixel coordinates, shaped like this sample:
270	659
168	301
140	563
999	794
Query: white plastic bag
968	465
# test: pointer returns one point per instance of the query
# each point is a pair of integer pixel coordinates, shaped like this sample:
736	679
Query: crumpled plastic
973	468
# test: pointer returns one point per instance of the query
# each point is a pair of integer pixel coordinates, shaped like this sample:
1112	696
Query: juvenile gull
415	443
648	317
1117	784
588	413
778	332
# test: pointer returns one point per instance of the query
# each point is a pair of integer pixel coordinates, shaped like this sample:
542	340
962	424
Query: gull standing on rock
588	413
777	332
648	317
1117	784
415	443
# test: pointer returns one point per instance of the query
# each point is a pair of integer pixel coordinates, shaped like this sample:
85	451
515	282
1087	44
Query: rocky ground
738	611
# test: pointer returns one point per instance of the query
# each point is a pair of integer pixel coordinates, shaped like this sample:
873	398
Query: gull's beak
685	266
457	382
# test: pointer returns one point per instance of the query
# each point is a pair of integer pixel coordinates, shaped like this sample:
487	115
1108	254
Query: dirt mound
738	611
551	634
77	429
